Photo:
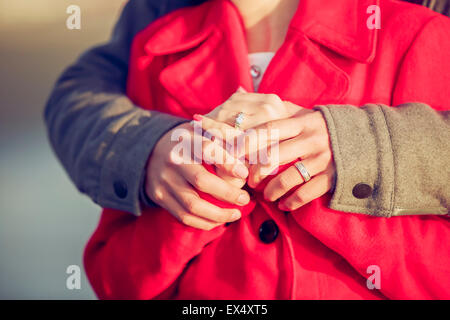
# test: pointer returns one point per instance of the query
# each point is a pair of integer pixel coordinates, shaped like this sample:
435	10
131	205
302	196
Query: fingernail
197	117
241	171
243	199
236	215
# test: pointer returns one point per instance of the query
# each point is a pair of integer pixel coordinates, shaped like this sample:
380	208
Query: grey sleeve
390	161
101	138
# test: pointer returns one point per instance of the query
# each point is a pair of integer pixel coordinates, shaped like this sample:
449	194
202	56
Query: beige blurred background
44	222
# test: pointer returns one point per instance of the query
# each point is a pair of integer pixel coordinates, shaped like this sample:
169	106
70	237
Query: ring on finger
238	120
303	171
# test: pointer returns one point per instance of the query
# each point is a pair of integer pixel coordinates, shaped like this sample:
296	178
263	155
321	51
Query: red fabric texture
192	60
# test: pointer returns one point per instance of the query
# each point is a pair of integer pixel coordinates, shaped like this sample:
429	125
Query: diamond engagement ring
239	119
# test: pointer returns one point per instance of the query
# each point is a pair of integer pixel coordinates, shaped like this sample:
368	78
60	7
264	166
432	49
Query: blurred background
44	221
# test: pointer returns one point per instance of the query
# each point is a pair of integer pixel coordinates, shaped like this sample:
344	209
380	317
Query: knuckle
186	219
157	195
322	141
277	102
267	107
199	180
231	194
222	218
300	197
326	158
165	176
181	216
273	98
312	121
284	182
269	194
191	204
169	158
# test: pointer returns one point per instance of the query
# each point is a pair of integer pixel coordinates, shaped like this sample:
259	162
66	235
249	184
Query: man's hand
303	136
172	181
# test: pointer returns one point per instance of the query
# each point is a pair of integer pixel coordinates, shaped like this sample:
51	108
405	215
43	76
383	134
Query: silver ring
239	119
301	168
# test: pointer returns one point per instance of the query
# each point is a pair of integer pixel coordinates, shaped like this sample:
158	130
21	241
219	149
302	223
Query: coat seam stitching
394	177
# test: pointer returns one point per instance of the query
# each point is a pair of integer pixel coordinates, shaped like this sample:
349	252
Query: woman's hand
257	108
304	136
172	181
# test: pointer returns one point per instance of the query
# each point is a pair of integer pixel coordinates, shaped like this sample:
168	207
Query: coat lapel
302	74
207	76
204	71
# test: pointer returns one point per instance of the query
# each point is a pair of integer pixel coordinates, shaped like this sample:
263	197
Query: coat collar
207	56
337	25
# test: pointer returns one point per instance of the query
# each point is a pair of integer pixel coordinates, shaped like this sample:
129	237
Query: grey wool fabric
397	152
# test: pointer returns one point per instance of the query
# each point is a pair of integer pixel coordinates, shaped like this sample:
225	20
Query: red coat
192	60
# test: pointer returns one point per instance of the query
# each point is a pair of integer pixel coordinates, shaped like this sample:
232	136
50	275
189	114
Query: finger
283	128
240	96
214	152
217	128
201	179
193	204
226	119
169	203
290	178
237	182
254	140
271	133
286	152
307	192
254	113
258	108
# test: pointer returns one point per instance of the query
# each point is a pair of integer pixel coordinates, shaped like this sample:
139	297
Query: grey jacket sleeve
390	161
101	138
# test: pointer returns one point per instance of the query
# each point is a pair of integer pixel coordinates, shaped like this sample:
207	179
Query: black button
268	231
362	191
120	188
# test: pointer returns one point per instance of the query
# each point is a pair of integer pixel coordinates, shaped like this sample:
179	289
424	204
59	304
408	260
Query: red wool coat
192	60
